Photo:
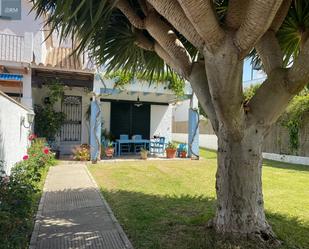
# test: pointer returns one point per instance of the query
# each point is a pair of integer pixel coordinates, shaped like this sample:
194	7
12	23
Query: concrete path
74	215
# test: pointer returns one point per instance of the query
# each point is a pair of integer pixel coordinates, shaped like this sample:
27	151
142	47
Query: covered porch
138	109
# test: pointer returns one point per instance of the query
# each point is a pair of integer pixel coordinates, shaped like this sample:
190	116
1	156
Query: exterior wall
13	136
181	111
205	140
276	142
182	126
161	121
66	147
211	141
27	90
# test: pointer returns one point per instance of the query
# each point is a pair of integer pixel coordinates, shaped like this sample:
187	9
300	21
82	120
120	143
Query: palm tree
205	42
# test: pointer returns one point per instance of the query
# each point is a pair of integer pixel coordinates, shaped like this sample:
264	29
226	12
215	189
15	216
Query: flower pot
170	153
109	152
183	154
144	155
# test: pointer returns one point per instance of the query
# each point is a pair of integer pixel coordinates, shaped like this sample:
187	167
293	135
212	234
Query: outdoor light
30	118
138	103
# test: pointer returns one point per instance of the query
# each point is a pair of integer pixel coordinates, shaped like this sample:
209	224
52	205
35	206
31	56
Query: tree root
262	239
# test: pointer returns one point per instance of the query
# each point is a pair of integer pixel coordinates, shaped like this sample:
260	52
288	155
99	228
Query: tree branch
274	94
143	5
172	11
167	39
204	19
299	72
270	52
281	15
142	41
162	33
270	100
258	19
236	13
199	83
167	58
127	10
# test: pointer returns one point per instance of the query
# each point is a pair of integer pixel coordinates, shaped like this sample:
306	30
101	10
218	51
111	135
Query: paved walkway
74	215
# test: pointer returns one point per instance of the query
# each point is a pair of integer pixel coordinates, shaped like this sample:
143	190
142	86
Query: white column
27	90
28	48
193	129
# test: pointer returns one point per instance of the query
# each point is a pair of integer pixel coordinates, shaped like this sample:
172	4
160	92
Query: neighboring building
30	59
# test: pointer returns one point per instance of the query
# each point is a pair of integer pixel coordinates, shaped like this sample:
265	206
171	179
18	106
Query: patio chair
137	146
157	145
123	146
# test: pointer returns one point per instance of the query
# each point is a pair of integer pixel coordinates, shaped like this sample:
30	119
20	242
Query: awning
11	77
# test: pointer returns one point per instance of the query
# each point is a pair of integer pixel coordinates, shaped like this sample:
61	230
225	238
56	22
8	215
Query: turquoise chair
181	147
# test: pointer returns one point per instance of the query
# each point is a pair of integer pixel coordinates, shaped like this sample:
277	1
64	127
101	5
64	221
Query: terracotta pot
109	152
144	155
183	154
170	153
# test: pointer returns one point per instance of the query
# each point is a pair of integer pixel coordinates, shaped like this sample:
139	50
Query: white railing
16	48
12	47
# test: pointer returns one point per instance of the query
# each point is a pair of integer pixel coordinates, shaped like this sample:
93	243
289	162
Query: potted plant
144	154
171	149
109	149
183	152
82	152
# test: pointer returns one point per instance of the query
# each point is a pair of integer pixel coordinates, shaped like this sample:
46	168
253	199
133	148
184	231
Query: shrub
293	117
19	195
82	152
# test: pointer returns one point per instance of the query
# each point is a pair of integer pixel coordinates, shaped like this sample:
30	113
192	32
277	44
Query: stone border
287	158
122	234
38	217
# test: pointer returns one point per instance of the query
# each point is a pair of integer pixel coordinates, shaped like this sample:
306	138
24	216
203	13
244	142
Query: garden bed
20	194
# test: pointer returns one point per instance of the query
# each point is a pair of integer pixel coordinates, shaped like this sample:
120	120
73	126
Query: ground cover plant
20	193
167	204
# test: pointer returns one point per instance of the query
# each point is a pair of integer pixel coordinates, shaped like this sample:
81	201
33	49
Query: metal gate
72	127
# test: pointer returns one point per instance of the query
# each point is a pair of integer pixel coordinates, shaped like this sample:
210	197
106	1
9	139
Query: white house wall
181	111
161	121
13	136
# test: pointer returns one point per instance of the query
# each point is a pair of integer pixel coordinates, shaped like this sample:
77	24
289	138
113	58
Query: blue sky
248	74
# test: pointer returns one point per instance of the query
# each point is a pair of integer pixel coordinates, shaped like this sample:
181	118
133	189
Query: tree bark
240	205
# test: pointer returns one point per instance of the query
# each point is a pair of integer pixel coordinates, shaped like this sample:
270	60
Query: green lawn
166	204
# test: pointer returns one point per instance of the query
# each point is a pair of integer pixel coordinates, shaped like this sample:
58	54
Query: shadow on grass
166	222
281	165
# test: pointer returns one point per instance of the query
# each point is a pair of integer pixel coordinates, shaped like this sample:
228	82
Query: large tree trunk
240	205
